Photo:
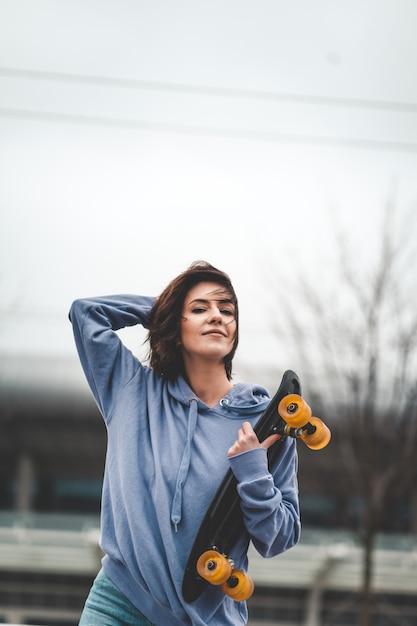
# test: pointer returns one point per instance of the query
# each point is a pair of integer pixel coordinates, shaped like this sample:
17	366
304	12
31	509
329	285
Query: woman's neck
210	384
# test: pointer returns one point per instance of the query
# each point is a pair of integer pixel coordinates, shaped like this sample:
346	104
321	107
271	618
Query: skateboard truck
300	424
218	569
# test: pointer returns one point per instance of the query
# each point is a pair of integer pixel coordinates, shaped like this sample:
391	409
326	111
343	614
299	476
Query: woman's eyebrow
200	300
207	301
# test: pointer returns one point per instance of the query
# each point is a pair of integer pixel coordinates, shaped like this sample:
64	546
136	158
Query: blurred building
52	448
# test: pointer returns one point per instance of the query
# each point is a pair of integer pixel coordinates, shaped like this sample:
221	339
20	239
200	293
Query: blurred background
278	141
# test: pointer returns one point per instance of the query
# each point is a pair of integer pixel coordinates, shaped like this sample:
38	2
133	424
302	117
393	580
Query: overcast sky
136	137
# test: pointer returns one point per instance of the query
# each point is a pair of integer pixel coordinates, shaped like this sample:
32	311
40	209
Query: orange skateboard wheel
239	586
319	438
294	410
214	567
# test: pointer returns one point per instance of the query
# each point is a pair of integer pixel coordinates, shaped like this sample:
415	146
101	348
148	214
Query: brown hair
165	355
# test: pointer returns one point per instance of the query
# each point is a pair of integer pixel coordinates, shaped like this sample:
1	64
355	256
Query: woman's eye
198	310
227	312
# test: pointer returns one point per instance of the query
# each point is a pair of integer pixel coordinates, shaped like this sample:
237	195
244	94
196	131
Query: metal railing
44	545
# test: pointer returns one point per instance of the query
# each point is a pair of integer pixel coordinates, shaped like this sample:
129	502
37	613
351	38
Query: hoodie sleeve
269	501
108	365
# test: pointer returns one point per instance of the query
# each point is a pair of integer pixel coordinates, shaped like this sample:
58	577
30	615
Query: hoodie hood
243	397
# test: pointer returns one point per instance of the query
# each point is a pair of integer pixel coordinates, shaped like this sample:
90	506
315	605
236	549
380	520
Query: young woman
174	428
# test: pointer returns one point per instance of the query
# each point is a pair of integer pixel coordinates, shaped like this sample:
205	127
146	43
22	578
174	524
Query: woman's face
208	324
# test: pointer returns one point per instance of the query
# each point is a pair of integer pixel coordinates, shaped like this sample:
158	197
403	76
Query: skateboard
210	560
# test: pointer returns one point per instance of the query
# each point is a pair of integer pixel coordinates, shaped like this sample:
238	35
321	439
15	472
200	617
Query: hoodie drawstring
176	510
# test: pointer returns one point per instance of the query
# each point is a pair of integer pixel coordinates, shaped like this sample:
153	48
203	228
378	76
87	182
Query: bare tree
358	342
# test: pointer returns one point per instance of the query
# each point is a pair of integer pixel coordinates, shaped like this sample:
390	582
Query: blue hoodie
166	455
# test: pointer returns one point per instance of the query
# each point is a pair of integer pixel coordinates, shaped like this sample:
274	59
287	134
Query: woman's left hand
248	440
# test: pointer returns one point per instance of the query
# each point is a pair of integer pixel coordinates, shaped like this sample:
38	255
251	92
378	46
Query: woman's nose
215	316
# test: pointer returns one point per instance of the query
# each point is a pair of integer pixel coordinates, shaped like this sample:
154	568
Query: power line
228	92
222	133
